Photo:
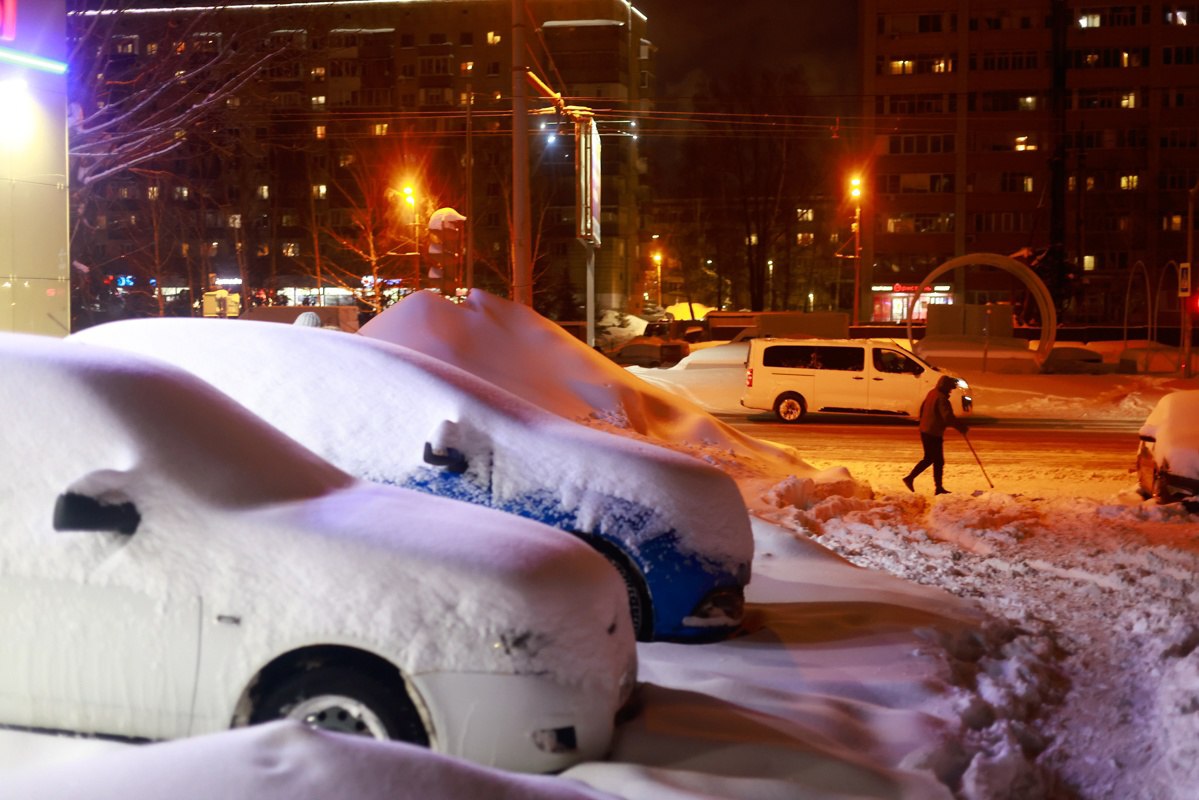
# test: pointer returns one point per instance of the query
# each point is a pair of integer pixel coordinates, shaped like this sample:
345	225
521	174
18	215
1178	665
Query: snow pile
283	760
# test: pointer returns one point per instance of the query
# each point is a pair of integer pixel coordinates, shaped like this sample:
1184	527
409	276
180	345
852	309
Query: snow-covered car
1168	456
172	565
675	527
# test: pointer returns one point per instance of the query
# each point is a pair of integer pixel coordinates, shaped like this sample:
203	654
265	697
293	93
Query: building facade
1065	132
338	131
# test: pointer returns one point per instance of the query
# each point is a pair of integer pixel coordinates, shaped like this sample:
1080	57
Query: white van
862	376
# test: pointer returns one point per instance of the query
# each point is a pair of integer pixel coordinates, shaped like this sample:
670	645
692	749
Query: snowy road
877	450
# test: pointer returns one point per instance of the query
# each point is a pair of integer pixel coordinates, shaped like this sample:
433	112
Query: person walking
936	414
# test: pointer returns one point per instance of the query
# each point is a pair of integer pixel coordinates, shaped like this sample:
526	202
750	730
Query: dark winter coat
936	413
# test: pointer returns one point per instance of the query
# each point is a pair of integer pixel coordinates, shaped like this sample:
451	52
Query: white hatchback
171	565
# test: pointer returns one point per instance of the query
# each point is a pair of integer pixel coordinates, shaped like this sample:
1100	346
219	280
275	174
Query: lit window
1088	21
1172	223
379	129
941	65
318	74
185	249
320	131
1088	263
318	101
290	249
803	215
493	37
1128	100
901	67
1028	103
233	102
467	67
152	192
1025	143
1128	182
345	159
214	249
181	192
264	192
1176	17
234	221
152	48
320	191
264	249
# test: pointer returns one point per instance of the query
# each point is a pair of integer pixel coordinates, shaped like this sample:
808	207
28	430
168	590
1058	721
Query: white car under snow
1168	456
675	527
171	565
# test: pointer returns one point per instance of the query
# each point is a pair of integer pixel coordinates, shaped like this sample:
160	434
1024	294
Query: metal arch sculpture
1150	298
1036	286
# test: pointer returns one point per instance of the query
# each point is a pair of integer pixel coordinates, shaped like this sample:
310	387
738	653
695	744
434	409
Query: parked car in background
1168	456
675	527
794	376
651	351
172	565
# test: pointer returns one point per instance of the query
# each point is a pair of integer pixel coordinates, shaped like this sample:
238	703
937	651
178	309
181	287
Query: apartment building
1021	128
317	176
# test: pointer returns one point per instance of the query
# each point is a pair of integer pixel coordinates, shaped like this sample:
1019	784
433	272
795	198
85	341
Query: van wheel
790	407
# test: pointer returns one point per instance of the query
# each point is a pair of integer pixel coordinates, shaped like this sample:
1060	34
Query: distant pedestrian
936	414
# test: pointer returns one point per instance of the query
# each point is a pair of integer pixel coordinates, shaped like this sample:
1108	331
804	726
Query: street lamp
855	192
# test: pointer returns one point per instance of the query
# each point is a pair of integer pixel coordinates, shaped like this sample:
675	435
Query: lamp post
410	199
658	265
855	192
1185	322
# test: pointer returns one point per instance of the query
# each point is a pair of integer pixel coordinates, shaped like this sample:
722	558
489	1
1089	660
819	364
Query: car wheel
640	605
344	700
790	407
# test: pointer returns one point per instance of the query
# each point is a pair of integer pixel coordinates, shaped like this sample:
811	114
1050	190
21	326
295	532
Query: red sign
8	20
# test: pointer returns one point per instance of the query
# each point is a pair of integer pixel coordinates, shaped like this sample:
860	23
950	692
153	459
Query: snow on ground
1004	644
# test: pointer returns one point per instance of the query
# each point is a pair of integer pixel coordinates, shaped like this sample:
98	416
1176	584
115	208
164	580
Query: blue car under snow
675	527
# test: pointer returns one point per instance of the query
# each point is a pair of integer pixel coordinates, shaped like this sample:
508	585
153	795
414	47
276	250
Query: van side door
841	383
897	385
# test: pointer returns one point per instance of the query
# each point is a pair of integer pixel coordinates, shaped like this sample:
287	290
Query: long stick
979	460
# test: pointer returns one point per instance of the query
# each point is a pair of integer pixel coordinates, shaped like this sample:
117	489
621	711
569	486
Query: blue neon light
30	60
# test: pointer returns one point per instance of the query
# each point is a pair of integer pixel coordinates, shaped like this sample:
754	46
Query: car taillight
749	377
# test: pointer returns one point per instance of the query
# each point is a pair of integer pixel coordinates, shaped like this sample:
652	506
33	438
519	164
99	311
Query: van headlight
963	385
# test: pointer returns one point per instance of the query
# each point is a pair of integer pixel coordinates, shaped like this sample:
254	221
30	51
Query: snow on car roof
513	346
372	406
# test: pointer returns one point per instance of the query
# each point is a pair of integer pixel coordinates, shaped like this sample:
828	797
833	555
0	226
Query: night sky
722	37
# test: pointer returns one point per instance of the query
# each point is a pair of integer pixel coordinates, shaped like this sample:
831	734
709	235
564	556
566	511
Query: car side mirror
452	459
80	512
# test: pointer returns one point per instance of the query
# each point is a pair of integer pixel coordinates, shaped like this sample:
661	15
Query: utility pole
1185	322
522	254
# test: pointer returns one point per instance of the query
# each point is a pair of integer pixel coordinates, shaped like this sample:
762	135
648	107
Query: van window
891	361
793	356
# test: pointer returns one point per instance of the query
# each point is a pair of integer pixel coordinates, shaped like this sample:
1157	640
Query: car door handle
876	379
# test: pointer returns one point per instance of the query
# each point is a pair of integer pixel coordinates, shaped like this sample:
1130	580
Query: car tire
344	700
790	407
640	604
